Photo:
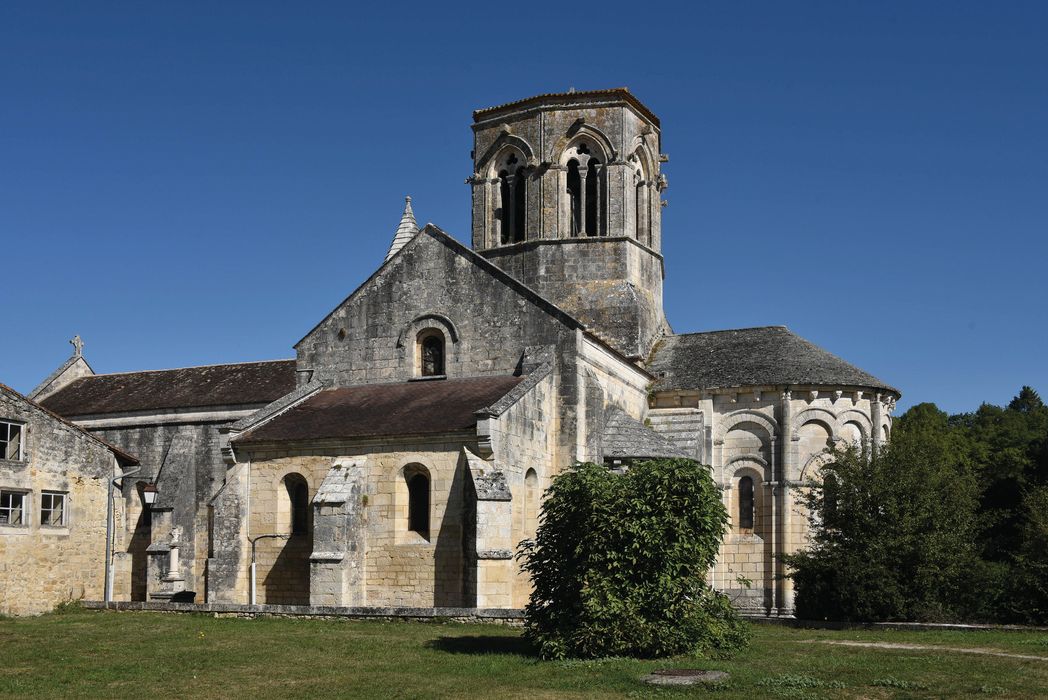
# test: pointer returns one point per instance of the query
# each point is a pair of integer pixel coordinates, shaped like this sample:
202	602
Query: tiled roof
247	383
372	410
625	436
621	93
769	355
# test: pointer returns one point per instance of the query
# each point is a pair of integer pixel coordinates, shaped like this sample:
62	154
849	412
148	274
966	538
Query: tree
896	539
618	564
1008	450
1028	599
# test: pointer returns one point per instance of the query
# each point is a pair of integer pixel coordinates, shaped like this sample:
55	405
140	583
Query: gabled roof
437	234
626	437
620	93
246	383
74	359
426	407
124	458
769	355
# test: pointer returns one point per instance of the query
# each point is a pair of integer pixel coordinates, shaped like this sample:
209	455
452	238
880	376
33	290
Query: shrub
618	564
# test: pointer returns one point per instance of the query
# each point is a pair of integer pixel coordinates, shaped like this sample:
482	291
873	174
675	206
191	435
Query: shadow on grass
483	644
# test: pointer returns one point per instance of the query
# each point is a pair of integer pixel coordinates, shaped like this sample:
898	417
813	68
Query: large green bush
619	563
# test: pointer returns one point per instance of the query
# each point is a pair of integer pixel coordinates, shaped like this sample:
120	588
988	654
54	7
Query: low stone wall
506	616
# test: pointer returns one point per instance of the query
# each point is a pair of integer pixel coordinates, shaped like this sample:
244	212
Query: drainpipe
108	587
253	540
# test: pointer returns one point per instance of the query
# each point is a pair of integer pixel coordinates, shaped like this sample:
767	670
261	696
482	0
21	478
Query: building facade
401	456
54	479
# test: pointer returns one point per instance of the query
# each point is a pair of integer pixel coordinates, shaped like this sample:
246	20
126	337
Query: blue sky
194	183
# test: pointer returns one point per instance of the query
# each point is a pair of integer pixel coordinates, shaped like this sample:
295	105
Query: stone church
402	454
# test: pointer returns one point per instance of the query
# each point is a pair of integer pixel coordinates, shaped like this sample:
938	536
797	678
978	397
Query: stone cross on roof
78	346
405	231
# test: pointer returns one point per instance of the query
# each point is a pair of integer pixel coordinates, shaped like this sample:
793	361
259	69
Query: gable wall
41	566
494	322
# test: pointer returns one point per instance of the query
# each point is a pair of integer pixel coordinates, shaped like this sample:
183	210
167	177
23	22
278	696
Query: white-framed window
53	508
13	508
12	440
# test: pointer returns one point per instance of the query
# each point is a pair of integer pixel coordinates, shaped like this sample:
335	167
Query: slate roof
373	410
769	355
622	93
244	383
625	436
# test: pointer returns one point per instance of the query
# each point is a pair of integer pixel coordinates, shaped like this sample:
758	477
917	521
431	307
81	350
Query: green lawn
154	654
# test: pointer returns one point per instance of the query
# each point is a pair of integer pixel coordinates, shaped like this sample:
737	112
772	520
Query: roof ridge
179	369
620	92
732	330
427	380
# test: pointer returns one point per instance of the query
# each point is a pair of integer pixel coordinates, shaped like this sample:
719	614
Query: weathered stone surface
43	563
684	676
567	319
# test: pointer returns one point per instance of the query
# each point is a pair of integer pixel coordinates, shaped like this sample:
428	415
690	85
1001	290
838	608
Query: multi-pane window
12	508
53	508
11	440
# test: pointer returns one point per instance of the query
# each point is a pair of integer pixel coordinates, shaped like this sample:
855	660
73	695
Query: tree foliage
949	520
893	539
618	564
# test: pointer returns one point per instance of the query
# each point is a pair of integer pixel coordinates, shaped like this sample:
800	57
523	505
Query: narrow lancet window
418	504
512	200
585	192
746	503
297	504
574	195
830	493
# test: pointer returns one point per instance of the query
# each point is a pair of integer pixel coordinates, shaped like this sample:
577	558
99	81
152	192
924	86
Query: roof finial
78	346
405	231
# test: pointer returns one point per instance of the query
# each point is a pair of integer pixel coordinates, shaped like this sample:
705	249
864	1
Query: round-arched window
431	353
746	503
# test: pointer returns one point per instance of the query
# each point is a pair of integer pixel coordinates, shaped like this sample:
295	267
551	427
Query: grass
86	653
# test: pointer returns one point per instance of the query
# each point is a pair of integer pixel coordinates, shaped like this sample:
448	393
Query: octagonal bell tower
566	198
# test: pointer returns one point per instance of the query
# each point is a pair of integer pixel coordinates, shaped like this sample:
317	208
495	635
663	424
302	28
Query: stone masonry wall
191	470
371	337
402	567
524	439
40	565
776	436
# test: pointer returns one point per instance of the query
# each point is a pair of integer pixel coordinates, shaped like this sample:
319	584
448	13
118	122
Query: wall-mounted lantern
149	494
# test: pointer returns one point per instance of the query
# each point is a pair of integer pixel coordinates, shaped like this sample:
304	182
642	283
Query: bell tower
566	198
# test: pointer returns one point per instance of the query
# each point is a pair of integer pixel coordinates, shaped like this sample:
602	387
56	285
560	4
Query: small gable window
746	503
418	502
431	353
11	435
